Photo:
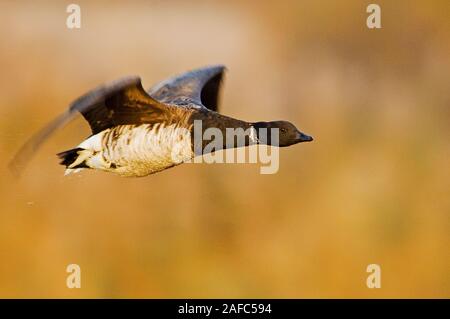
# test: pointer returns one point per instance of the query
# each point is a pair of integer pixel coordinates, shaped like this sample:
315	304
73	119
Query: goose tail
74	159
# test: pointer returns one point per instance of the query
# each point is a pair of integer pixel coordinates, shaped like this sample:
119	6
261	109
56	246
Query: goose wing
199	87
122	102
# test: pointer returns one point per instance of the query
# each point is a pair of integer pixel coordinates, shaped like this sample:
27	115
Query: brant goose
137	133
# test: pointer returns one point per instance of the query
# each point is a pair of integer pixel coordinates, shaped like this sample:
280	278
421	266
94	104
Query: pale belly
141	150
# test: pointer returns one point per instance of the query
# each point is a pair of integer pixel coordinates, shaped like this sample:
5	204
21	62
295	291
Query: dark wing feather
118	103
200	87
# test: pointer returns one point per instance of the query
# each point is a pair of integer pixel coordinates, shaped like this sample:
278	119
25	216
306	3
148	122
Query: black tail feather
68	157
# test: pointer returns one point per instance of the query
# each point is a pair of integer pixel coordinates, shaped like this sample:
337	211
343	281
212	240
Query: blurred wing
25	153
199	86
118	103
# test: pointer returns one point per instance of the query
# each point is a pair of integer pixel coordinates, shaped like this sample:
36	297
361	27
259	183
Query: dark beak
302	137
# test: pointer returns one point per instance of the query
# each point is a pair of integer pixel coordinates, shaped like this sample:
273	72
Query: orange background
372	188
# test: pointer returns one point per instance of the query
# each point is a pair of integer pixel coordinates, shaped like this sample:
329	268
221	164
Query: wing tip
14	169
216	68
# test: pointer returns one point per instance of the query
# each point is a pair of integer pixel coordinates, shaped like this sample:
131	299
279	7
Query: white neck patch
253	135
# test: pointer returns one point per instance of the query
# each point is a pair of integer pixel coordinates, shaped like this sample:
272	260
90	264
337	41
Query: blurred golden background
372	188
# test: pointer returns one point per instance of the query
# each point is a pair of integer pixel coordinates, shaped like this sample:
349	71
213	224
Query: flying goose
137	133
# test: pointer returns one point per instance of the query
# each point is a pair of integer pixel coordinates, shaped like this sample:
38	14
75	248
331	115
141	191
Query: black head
288	133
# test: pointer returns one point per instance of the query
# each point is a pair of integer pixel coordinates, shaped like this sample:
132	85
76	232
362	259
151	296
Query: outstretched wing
200	87
118	103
